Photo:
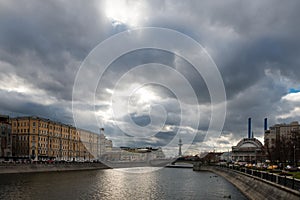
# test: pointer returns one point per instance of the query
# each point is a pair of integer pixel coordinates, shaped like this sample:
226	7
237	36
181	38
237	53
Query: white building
248	150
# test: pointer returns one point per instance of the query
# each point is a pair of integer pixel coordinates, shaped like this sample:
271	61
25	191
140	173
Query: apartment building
282	142
5	137
41	139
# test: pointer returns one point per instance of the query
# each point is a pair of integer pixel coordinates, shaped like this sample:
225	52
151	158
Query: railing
282	180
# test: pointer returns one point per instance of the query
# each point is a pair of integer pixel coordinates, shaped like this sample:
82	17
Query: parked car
291	168
272	167
50	161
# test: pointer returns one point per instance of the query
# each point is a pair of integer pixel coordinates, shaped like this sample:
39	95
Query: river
166	183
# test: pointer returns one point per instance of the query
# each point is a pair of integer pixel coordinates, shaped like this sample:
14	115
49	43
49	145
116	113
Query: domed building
248	149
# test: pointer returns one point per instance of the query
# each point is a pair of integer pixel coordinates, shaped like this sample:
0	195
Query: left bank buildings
43	139
5	137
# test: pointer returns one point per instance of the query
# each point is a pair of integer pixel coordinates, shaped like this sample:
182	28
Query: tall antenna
180	144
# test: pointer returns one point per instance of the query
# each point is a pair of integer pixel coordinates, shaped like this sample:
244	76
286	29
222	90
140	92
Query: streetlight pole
294	155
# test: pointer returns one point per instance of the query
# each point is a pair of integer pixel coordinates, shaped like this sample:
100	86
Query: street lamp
294	155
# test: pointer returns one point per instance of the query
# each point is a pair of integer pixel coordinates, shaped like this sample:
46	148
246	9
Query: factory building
249	149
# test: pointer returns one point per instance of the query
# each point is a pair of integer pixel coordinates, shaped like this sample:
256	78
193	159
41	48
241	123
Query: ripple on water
166	183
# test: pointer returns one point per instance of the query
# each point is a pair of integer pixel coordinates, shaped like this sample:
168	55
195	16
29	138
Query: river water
166	183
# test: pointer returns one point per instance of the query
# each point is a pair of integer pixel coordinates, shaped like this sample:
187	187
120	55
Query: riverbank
46	167
253	187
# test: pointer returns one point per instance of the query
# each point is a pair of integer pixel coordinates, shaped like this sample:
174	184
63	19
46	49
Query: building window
33	124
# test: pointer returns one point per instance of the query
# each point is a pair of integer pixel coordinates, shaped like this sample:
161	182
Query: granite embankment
253	187
35	167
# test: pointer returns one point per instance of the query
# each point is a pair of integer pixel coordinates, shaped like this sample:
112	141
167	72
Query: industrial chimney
249	127
266	124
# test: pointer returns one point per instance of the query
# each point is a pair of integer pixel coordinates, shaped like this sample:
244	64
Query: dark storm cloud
242	37
44	44
13	104
50	28
137	58
141	120
46	41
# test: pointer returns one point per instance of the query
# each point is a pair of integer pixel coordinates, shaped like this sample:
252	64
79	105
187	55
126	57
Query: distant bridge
187	160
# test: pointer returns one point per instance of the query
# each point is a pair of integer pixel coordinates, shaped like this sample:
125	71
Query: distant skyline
254	44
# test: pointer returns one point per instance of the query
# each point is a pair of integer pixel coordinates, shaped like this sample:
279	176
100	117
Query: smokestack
249	127
266	124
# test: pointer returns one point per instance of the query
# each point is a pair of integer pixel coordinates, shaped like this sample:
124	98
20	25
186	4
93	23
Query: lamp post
228	159
294	155
255	156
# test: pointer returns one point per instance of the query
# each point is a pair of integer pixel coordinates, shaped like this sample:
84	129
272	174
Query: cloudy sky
53	58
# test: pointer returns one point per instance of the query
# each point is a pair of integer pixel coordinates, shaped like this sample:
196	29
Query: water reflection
116	184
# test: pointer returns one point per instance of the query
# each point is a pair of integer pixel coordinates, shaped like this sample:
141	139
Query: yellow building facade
42	139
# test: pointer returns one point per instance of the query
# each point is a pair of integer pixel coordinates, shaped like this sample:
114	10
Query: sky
151	72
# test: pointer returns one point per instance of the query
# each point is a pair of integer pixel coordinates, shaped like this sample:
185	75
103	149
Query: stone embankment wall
251	186
26	168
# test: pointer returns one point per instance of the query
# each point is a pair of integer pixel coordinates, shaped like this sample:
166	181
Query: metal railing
283	180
